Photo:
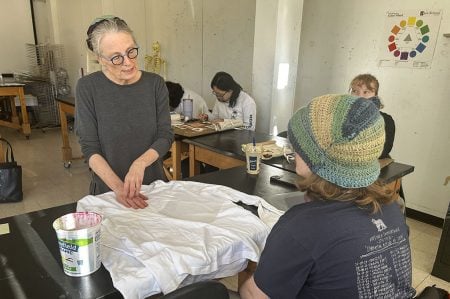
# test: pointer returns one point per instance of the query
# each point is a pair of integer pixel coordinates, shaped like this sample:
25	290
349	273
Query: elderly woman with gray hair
122	116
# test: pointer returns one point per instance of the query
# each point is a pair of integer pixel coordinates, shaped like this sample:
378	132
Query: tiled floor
47	183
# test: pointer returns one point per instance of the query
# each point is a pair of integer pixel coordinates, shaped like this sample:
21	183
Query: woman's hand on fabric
136	202
133	180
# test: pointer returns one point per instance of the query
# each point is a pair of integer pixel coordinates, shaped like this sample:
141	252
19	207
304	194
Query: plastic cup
253	157
79	242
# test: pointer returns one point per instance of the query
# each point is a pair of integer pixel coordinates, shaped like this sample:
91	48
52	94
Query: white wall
16	29
199	38
339	40
264	56
228	31
177	26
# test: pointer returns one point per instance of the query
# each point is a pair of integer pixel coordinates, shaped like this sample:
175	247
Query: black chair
200	290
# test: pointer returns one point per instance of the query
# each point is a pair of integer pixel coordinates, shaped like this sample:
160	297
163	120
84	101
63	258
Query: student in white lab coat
232	102
176	95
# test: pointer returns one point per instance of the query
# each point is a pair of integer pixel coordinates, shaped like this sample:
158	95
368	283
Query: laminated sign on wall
409	38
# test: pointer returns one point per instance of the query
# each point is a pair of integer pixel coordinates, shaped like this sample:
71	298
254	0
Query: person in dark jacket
366	86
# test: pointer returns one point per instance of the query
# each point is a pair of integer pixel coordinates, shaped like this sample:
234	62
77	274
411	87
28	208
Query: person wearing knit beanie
349	239
341	147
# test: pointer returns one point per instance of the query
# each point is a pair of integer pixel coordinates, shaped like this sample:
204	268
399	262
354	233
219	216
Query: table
392	175
179	147
66	107
224	151
11	90
31	264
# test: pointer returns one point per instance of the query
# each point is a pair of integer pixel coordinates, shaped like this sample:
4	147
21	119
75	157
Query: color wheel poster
409	38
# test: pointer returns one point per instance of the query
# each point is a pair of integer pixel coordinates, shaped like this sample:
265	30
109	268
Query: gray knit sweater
121	122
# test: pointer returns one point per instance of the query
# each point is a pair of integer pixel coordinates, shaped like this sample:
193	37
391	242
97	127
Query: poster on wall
409	38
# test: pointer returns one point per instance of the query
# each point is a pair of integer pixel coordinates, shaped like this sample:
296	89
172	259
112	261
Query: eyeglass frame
122	56
220	96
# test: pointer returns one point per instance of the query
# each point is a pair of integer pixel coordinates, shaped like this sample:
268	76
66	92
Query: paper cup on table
79	242
253	157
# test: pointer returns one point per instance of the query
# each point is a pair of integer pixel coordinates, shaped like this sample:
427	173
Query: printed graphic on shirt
379	224
384	271
250	122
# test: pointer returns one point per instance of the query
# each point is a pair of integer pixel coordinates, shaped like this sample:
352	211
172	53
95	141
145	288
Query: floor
46	183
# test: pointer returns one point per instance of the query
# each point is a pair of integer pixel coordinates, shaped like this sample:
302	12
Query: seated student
232	102
349	240
177	93
366	86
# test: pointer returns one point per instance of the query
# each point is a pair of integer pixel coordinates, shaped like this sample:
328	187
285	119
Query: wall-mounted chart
409	38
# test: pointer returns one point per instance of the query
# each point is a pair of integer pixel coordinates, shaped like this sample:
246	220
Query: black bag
10	177
433	292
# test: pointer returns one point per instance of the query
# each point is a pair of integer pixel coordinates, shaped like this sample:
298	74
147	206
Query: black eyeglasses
119	58
219	95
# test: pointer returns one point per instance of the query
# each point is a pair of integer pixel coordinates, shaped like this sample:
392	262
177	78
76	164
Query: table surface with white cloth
31	266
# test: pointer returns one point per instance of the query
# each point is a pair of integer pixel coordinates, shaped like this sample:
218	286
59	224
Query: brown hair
366	79
371	197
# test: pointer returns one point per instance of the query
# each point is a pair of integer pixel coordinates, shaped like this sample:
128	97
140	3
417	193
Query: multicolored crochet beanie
340	138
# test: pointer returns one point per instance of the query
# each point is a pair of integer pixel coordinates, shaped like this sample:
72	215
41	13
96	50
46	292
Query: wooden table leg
66	149
13	91
14	116
26	128
176	159
2	153
194	165
199	154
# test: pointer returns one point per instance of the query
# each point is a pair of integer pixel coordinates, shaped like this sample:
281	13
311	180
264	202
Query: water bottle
187	109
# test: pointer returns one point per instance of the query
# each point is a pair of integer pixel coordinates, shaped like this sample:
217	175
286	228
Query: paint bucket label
79	242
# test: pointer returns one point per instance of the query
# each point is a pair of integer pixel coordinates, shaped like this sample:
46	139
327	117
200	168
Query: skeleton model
155	63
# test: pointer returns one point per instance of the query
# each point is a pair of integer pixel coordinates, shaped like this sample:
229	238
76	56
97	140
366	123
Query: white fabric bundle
190	231
229	123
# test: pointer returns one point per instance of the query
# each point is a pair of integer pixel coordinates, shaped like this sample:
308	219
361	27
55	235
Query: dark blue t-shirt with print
333	249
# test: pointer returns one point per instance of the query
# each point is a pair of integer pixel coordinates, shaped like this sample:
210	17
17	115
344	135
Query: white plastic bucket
79	242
